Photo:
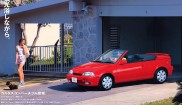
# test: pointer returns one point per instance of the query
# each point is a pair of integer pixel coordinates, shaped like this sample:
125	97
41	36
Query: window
114	37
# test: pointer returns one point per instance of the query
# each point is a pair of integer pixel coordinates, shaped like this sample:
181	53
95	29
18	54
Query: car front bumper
83	80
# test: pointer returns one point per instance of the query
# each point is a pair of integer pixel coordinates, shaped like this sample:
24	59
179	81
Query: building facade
98	25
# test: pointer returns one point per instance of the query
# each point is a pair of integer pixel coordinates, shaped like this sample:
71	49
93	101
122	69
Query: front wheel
106	82
160	76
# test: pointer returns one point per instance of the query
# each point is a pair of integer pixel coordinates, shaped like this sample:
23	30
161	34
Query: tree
39	26
16	3
67	38
22	25
21	2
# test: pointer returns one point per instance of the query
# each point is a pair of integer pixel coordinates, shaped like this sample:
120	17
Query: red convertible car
117	66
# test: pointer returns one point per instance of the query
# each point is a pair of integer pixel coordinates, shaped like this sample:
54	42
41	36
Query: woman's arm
16	56
26	53
25	49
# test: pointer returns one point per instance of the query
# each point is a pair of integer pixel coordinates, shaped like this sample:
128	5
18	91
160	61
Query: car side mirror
123	61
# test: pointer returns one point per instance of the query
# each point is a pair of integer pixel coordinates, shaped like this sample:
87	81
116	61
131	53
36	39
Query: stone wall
85	36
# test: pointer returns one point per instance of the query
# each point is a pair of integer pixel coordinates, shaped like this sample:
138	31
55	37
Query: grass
28	80
43	63
68	44
167	101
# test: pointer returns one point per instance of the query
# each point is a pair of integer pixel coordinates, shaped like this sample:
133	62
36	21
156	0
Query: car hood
91	67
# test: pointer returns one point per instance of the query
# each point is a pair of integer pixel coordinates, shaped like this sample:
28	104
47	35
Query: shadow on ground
67	87
74	88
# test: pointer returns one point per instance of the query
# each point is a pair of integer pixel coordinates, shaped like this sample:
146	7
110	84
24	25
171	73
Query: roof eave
32	6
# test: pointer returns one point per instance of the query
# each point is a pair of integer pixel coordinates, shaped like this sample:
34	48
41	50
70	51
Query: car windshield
110	56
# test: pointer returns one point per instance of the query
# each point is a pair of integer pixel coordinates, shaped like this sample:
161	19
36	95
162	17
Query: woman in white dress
21	54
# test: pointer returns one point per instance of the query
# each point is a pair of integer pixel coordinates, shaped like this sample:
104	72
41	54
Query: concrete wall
53	14
141	35
7	53
139	7
135	2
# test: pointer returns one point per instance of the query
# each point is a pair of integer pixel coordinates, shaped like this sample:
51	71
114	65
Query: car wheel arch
109	75
164	68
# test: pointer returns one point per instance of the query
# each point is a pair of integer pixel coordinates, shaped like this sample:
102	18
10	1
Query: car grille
77	74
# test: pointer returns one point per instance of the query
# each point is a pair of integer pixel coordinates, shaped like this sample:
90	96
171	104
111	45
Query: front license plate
74	80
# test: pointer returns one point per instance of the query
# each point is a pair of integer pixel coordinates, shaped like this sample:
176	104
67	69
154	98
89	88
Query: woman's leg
20	72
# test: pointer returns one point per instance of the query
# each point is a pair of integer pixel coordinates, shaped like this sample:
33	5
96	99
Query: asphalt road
62	93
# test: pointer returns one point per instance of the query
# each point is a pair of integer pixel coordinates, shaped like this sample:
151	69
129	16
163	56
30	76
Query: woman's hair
22	39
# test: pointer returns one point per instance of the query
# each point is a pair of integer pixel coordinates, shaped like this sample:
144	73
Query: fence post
62	46
55	53
40	59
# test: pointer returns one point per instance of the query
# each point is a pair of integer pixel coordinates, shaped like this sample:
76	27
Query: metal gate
50	59
54	58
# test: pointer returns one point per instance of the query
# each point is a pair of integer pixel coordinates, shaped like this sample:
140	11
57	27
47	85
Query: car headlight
88	74
70	72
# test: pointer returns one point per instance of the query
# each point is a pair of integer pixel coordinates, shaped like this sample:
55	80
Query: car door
149	68
129	71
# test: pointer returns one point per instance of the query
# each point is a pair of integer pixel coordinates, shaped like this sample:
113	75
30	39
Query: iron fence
50	59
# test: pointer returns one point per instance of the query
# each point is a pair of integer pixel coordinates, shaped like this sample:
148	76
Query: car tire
106	82
160	76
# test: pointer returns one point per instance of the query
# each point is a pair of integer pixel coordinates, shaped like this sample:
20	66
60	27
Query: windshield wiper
108	62
96	61
103	61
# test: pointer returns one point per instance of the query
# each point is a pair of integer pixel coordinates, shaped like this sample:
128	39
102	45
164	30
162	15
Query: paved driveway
61	93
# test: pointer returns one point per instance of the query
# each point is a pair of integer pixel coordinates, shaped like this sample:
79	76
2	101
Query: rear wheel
106	82
160	76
